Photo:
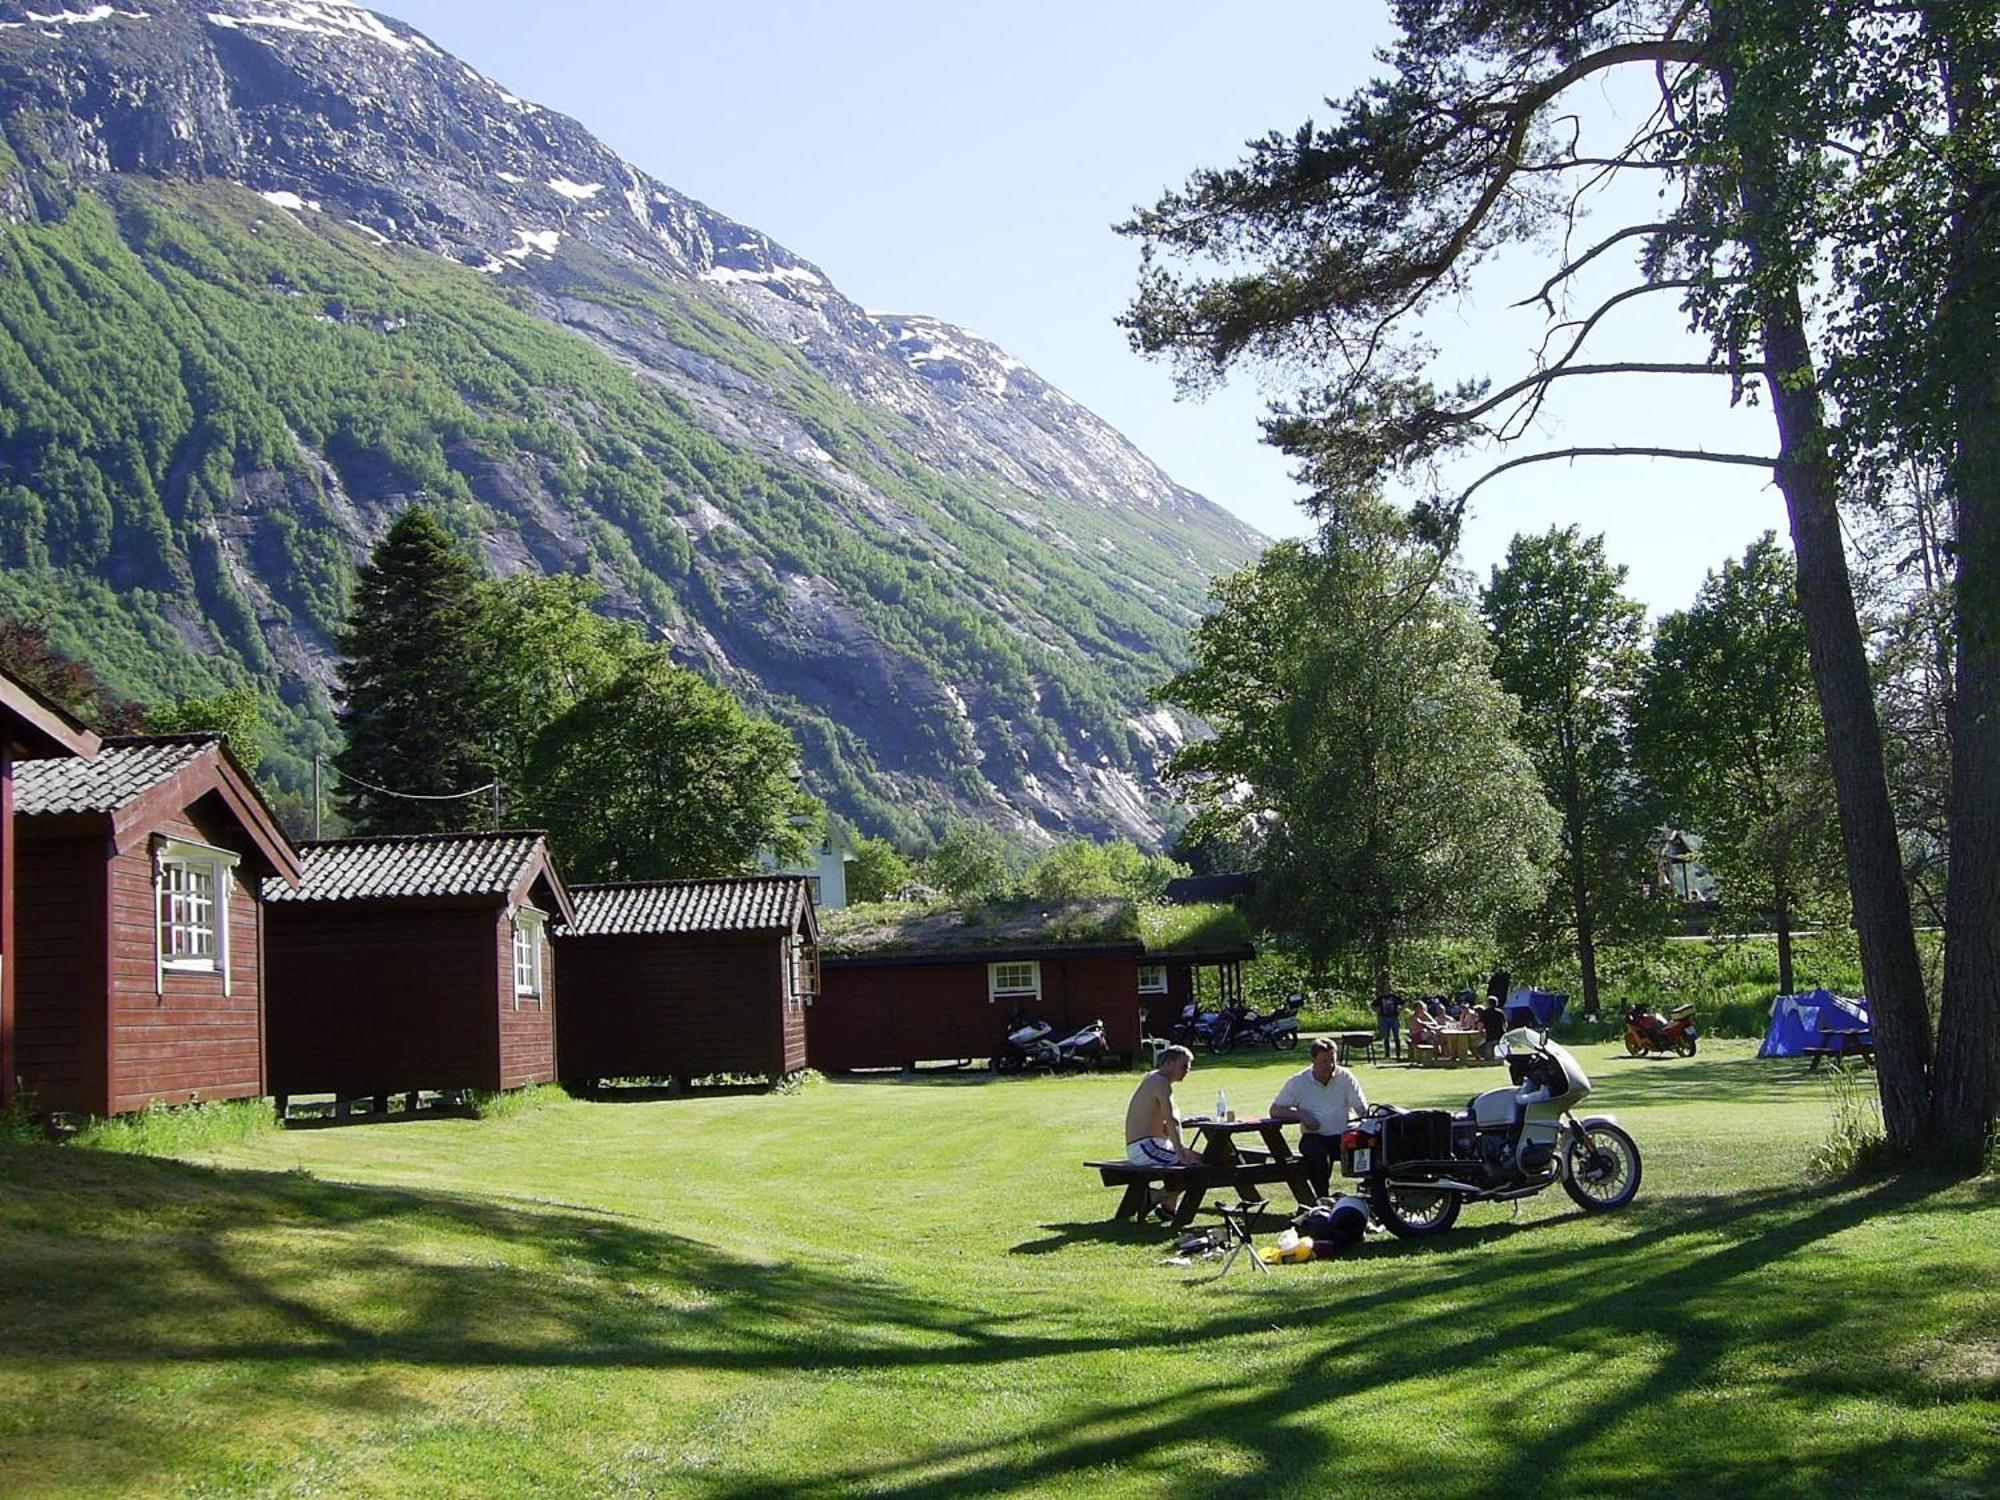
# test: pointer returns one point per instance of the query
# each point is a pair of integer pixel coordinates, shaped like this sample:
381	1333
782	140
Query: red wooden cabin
415	962
31	728
940	987
688	978
140	925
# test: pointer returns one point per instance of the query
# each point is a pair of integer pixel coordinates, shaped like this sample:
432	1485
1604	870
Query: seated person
1153	1125
1321	1099
1423	1030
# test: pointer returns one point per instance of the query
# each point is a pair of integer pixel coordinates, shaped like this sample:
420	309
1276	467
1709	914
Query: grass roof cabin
415	962
906	985
1194	956
31	728
141	925
688	978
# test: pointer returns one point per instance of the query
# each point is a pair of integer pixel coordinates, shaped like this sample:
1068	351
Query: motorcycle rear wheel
1411	1211
1603	1169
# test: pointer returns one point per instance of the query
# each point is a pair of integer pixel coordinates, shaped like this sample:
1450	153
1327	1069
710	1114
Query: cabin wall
684	1005
7	1073
60	1000
179	1037
527	1025
383	1000
893	1015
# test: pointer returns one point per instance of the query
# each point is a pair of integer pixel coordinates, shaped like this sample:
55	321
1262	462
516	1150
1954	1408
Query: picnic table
1224	1164
1840	1045
1457	1047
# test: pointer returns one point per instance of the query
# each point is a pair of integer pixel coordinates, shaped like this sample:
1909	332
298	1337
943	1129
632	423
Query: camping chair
1236	1219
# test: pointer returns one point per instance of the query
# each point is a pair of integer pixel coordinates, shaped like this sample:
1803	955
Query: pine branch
1698	455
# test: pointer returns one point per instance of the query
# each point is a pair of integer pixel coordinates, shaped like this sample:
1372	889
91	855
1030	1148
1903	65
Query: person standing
1153	1124
1321	1099
1388	1007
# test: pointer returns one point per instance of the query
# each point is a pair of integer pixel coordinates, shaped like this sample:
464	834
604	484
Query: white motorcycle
1420	1167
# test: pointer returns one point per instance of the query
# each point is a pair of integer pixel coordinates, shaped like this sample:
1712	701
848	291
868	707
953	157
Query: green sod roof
899	928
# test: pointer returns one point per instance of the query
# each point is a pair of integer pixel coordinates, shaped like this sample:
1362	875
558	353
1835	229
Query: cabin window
528	956
1014	981
1152	979
802	972
191	884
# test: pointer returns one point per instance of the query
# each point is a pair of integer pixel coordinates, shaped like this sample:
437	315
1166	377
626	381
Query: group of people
1320	1100
1431	1019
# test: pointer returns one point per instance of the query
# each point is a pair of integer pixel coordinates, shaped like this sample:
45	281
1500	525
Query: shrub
509	1103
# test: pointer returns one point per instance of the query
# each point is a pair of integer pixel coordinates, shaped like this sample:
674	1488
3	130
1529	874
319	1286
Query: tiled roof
123	771
409	865
753	903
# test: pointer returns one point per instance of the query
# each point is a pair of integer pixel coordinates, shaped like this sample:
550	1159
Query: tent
1529	1007
1798	1022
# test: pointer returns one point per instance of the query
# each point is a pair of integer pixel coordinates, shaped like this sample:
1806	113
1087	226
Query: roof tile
751	903
123	771
409	865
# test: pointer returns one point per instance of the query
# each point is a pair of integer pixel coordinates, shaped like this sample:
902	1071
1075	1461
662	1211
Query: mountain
270	269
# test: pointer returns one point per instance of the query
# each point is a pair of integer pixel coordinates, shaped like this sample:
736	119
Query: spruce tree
412	707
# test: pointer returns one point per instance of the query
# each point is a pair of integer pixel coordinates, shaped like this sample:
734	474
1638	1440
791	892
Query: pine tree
411	700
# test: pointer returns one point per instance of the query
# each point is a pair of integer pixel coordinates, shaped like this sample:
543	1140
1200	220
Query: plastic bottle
1221	1105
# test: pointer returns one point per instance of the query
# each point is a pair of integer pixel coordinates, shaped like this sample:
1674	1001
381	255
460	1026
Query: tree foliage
236	712
1357	722
1729	734
1568	644
876	872
1080	868
660	775
27	657
414	688
972	861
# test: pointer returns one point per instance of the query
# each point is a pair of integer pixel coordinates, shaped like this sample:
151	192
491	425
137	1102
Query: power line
319	764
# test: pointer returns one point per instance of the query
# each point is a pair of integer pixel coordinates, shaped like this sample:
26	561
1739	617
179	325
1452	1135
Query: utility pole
496	804
315	796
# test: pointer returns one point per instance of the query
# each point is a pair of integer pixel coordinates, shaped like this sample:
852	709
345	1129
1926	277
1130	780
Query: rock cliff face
955	583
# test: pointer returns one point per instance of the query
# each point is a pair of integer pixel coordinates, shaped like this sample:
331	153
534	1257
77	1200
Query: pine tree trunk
1579	878
1806	478
1967	1082
1782	920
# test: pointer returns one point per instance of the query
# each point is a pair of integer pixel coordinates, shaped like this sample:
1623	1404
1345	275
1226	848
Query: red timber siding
384	999
99	1029
181	1038
527	1025
887	1015
8	1072
60	1002
653	1005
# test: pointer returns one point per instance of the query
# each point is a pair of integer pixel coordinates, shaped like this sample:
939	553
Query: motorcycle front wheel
1286	1041
1603	1169
1411	1211
1221	1042
1634	1046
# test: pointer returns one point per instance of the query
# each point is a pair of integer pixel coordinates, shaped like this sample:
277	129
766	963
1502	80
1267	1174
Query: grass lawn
911	1289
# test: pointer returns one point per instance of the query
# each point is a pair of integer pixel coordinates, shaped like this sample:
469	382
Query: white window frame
1013	985
189	859
531	924
1152	979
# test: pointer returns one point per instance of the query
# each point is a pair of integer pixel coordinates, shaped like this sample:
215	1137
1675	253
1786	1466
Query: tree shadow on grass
123	1262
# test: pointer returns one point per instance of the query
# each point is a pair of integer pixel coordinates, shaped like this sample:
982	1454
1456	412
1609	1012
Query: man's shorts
1154	1151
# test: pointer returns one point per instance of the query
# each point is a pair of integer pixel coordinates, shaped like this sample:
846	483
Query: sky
968	161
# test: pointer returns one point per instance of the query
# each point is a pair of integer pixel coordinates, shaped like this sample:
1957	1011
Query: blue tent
1526	1007
1798	1022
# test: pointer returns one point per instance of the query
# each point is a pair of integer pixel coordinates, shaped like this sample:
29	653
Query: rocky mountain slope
272	268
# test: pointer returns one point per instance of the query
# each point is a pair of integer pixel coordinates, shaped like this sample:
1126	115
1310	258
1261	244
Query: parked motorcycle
1239	1026
1031	1042
1648	1032
1420	1167
1194	1026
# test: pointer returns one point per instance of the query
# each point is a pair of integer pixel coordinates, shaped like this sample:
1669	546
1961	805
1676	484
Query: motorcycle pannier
1420	1135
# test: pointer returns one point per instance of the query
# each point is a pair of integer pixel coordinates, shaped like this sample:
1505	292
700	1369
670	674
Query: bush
181	1129
1855	1142
509	1103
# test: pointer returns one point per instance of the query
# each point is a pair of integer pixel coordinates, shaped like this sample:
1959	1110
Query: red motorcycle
1648	1032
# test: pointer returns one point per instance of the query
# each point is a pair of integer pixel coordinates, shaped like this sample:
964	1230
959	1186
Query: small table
1245	1169
1355	1041
1457	1045
1840	1045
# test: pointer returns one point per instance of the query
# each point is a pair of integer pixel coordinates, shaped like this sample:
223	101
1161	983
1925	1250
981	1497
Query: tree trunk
1378	958
1579	881
1806	477
1967	1079
1782	920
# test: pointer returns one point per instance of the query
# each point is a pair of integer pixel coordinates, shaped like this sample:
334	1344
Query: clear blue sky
967	161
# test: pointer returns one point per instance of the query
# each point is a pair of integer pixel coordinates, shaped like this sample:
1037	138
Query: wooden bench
1194	1183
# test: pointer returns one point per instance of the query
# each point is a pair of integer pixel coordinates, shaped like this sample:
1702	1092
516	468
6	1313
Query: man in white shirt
1322	1100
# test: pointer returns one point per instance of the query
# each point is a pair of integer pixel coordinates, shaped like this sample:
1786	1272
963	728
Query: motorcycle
1420	1167
1648	1032
1239	1026
1031	1042
1194	1026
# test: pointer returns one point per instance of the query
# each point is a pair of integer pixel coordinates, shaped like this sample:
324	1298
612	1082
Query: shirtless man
1153	1126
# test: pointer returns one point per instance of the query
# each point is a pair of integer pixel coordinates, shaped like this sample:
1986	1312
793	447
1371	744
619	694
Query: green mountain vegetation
210	406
